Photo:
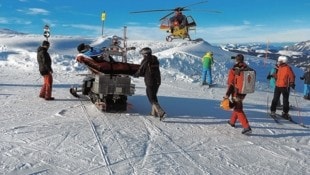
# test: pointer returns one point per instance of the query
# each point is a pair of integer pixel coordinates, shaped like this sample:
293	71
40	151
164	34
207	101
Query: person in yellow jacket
207	62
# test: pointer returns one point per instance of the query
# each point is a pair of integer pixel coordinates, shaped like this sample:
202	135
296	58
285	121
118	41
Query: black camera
233	57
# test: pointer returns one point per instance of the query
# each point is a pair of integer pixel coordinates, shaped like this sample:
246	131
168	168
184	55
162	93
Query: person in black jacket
149	69
306	78
45	68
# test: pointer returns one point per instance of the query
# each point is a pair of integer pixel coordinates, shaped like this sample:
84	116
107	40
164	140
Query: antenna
46	32
125	45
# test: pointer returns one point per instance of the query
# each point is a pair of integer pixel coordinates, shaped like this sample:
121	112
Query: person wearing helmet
178	20
237	98
149	69
285	79
306	78
96	54
207	61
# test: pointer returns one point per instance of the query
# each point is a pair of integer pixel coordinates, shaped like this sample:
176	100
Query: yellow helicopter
178	25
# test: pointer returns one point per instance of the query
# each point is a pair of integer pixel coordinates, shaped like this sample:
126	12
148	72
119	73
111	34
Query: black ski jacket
150	70
306	77
44	61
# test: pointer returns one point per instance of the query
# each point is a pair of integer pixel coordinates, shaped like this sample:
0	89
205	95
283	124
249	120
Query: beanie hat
239	58
45	43
209	54
82	48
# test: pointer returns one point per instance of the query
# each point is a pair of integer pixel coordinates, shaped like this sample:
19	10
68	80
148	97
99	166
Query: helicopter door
191	24
165	24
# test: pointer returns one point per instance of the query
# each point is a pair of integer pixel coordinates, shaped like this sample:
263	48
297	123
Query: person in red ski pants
45	68
237	98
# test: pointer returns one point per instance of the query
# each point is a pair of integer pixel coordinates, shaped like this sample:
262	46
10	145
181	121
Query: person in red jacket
237	98
45	68
285	79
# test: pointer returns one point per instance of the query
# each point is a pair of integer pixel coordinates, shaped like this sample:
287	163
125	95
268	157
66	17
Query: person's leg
43	89
48	79
276	98
286	104
308	90
204	76
305	90
209	76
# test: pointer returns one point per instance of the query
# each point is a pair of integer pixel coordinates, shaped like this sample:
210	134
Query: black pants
285	91
151	93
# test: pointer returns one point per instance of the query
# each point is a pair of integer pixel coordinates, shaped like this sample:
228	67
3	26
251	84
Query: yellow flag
103	16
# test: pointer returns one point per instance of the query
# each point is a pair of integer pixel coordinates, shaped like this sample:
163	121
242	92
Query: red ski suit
237	98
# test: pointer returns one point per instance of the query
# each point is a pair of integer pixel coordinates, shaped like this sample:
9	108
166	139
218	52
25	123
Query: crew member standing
45	68
285	79
207	62
150	70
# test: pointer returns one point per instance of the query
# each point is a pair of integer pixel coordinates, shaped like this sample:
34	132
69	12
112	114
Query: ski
162	118
277	117
274	118
294	122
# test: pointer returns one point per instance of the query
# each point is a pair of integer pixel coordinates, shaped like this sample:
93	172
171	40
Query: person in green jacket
207	61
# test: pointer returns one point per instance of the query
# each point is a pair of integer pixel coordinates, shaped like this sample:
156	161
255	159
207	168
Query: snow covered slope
70	136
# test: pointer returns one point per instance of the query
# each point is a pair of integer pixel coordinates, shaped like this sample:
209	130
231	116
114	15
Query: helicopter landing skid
172	37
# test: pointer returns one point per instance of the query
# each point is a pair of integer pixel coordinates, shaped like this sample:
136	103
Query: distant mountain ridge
298	53
9	31
301	47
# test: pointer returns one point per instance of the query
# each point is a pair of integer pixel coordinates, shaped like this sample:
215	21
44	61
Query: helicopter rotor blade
194	4
166	16
208	11
146	11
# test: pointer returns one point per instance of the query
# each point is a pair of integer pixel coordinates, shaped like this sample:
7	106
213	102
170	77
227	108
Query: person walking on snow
45	68
236	97
285	79
149	68
272	81
306	78
207	62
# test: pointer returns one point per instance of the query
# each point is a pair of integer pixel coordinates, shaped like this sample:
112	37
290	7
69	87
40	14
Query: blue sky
240	20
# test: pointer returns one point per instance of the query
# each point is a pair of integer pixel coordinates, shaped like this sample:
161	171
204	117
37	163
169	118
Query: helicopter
178	25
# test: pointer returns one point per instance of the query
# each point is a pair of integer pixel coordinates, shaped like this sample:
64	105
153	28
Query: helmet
225	104
239	58
282	59
146	51
82	48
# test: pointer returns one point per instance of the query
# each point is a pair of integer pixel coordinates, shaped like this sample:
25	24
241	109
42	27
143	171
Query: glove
269	77
292	86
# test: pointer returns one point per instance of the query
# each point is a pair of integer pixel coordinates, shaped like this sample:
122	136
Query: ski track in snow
92	124
157	132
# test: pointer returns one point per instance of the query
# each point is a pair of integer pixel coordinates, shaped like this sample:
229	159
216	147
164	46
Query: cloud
4	20
37	11
257	33
246	22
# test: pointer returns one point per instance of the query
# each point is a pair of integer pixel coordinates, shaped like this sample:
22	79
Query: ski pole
300	118
267	102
